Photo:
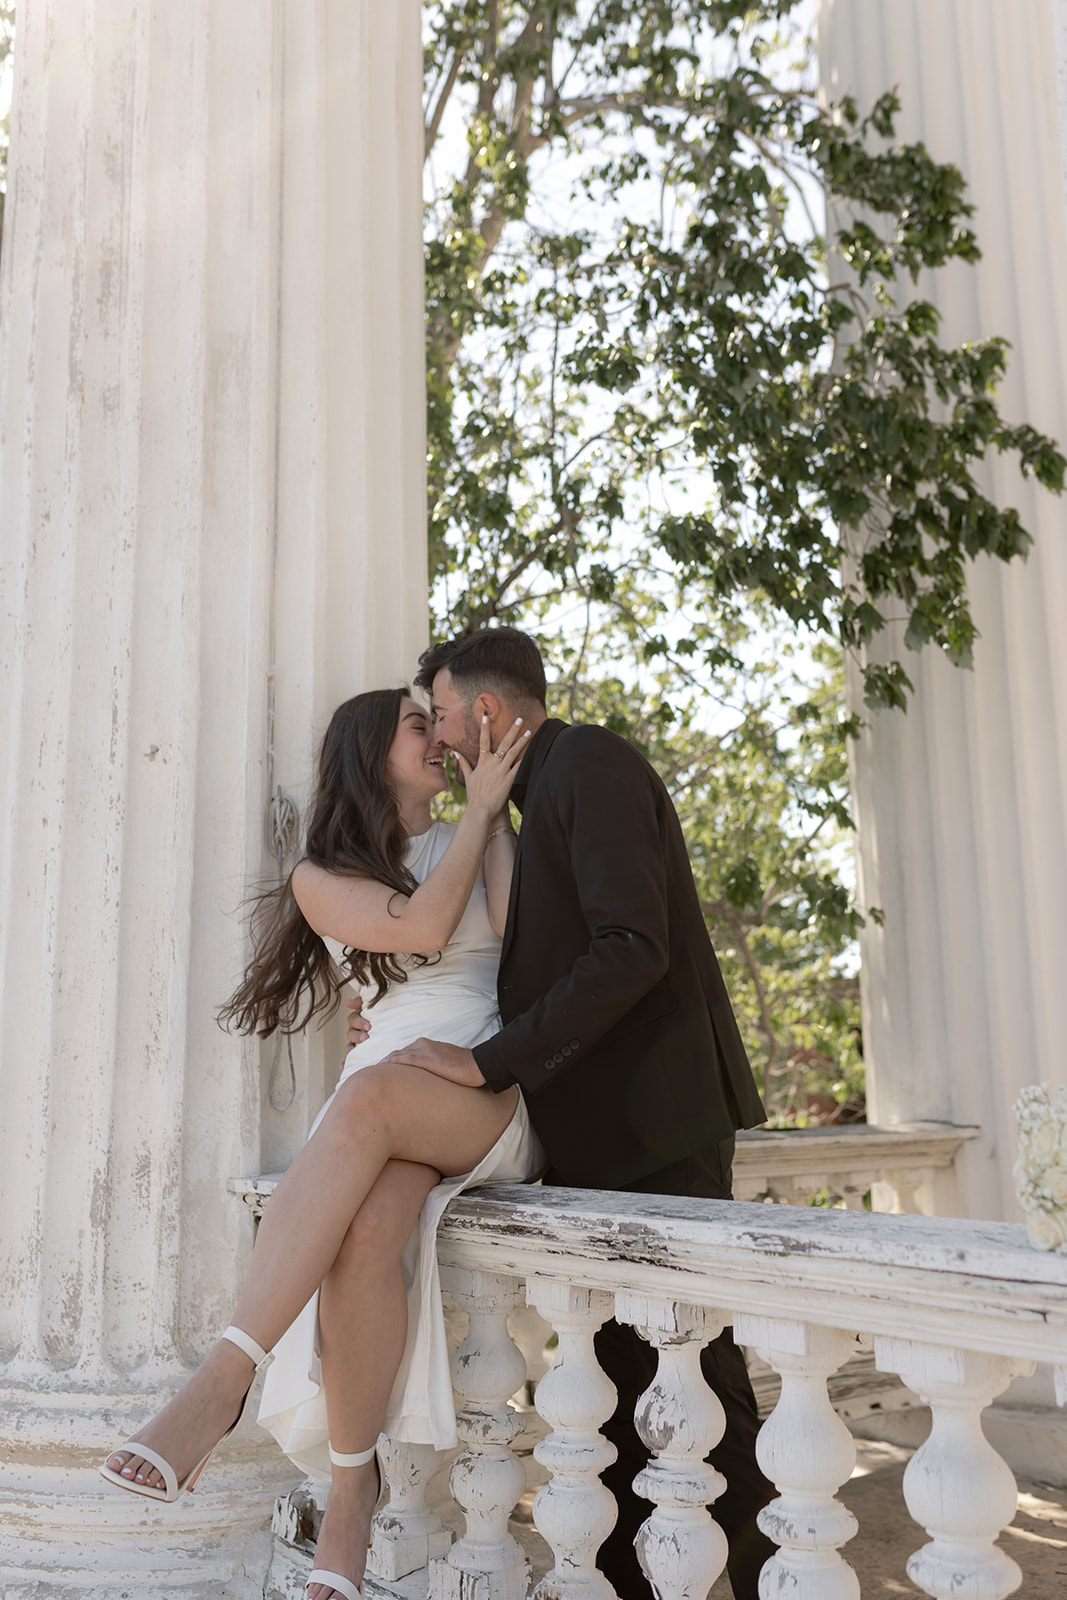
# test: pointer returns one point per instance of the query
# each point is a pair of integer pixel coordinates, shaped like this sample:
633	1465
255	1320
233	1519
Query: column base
65	1531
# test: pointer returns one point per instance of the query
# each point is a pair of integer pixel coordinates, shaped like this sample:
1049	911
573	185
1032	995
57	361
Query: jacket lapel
527	775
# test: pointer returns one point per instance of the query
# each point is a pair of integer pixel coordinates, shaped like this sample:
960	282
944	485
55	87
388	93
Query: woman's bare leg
380	1113
362	1329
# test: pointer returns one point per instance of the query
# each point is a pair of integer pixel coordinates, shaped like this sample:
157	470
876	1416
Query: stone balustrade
909	1167
956	1308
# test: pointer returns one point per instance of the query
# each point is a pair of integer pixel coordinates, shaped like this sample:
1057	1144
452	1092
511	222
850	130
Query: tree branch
433	127
773	1049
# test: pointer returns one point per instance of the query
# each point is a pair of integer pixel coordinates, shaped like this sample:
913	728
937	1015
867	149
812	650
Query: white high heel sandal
337	1580
171	1487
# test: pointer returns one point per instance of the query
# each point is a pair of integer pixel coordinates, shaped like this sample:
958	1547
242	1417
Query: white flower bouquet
1041	1170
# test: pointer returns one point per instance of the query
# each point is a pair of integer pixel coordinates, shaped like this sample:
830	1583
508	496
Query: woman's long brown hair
354	829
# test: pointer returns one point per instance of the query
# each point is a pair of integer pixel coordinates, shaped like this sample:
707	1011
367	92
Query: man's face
456	725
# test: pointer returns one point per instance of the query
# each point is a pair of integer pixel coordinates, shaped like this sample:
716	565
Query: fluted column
960	803
211	525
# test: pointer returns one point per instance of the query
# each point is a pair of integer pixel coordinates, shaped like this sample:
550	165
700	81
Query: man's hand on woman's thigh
448	1061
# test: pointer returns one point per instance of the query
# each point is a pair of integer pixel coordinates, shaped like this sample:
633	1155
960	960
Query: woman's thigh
419	1117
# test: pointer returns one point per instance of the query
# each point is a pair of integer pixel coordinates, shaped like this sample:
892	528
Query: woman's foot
193	1422
345	1531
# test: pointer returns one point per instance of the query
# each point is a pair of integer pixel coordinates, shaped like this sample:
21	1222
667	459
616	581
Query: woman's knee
362	1103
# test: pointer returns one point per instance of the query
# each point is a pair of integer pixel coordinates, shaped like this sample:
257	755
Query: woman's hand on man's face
489	783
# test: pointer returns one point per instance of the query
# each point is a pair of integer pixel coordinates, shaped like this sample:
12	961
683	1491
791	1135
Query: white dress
453	1000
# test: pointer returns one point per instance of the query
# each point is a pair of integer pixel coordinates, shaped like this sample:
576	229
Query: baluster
902	1186
808	1453
486	1477
574	1512
681	1549
531	1333
406	1535
853	1187
956	1486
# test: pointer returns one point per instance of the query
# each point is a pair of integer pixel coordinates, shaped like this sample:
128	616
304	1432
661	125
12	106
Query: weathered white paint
808	1453
956	1307
406	1535
961	802
486	1477
978	1285
681	1549
211	519
956	1486
574	1512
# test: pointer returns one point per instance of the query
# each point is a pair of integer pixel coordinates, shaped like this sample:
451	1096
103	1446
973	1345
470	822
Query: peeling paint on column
173	509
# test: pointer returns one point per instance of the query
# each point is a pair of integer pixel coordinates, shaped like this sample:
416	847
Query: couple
603	1053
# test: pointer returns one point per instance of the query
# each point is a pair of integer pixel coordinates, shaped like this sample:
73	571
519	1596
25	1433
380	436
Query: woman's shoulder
440	833
424	850
306	877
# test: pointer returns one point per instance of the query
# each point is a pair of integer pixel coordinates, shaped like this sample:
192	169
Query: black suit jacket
617	1024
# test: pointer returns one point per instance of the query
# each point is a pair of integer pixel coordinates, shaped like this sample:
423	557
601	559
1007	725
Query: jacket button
549	1065
576	1044
558	1057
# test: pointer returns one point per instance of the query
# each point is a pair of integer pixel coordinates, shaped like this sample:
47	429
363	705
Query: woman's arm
499	861
368	915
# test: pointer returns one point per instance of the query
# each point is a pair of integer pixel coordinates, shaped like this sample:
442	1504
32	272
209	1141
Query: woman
380	879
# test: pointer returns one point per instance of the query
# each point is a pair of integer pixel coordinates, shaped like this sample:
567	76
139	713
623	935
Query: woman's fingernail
526	735
517	721
485	719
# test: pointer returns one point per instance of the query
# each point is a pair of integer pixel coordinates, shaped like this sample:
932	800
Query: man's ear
487	705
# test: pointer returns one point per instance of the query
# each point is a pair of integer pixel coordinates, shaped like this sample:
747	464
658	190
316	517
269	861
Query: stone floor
1037	1539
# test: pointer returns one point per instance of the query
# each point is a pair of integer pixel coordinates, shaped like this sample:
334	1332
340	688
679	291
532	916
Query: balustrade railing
908	1167
955	1308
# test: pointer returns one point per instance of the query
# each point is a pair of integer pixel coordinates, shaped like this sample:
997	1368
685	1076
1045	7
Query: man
616	1025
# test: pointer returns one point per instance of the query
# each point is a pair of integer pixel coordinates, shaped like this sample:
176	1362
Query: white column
211	524
960	803
956	1485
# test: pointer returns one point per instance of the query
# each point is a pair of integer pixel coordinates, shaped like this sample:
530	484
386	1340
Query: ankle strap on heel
360	1459
252	1350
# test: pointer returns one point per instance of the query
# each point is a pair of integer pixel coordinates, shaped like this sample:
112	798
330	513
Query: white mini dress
454	1000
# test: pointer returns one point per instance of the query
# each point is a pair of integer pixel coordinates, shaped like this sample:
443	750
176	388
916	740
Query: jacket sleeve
605	801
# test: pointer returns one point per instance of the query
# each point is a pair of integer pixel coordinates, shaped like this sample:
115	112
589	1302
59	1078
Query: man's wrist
491	1067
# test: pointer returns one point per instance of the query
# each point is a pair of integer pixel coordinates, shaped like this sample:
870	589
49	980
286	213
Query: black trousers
630	1363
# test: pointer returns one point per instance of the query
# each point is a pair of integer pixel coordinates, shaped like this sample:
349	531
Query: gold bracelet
498	831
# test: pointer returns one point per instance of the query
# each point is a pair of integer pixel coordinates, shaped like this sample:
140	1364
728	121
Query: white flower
1056	1186
1047	1230
1044	1142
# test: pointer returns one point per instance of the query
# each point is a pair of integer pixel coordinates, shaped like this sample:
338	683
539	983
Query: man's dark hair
504	661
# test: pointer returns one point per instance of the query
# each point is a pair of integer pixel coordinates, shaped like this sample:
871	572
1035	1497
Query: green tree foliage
762	796
702	449
692	323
